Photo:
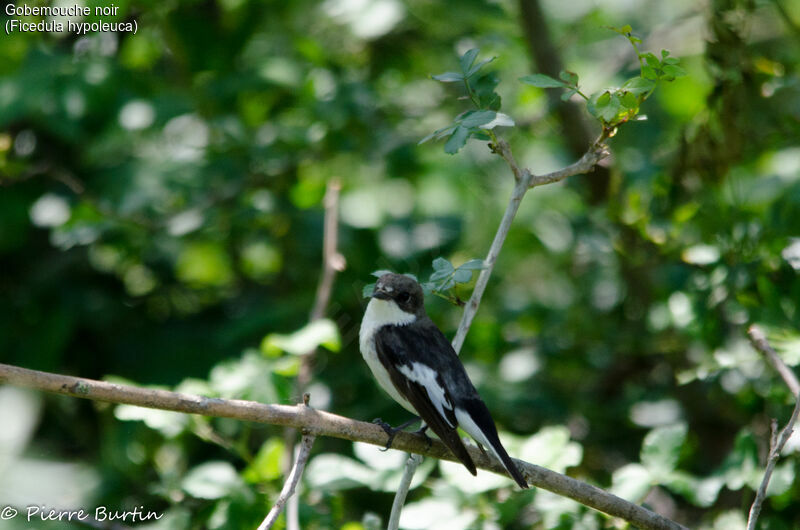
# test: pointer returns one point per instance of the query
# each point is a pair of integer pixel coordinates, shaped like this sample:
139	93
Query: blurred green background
161	214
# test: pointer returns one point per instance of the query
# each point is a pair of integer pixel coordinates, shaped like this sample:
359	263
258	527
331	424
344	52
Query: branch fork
777	440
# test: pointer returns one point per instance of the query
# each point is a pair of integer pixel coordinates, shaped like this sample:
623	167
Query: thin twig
332	262
494	251
584	165
524	180
320	423
302	451
402	491
760	343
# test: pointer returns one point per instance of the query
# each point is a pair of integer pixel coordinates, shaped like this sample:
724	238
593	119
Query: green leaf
439	133
741	466
570	78
478	118
168	423
449	77
380	272
457	140
649	72
462	276
651	59
367	290
383	472
700	492
267	463
443	264
440	275
542	81
484	87
551	447
661	449
638	85
473	265
631	482
322	332
468	59
500	120
427	287
673	71
605	106
447	284
568	94
212	480
629	100
472	71
331	472
610	111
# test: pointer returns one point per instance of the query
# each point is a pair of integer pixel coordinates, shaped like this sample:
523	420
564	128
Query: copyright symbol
7	513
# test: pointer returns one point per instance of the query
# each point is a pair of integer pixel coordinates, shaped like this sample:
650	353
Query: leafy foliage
615	106
480	91
442	281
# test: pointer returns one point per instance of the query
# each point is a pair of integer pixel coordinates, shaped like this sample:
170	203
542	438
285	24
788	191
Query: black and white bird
416	365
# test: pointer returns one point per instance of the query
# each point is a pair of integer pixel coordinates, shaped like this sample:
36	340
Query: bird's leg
390	431
421	432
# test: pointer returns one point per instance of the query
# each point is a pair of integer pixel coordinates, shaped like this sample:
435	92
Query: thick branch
319	423
759	341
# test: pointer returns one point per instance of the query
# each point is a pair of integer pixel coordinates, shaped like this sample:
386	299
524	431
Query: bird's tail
453	442
478	423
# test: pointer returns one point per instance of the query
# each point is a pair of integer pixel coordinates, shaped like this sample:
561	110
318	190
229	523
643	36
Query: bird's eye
403	297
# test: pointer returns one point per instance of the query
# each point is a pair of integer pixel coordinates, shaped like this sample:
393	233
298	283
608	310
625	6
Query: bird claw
391	432
428	439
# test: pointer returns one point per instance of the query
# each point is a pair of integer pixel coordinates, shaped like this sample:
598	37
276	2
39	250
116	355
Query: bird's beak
380	295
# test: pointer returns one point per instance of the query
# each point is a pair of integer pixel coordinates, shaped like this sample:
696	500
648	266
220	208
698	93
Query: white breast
380	313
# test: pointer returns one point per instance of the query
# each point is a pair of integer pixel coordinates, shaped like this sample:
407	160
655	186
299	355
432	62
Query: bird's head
401	290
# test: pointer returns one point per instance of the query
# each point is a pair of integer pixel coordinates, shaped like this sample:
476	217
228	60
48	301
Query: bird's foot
391	432
428	439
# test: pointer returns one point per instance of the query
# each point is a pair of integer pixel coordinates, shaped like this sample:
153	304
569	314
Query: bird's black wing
405	352
423	343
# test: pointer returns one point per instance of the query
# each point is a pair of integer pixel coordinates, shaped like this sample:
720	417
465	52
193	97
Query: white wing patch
426	376
466	422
